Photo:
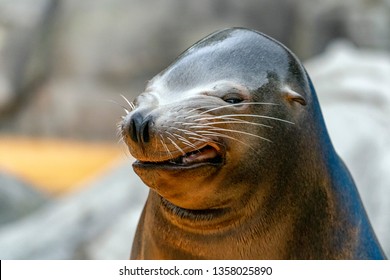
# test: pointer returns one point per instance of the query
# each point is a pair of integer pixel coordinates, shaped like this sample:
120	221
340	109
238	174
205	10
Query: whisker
198	108
177	146
234	121
240	122
116	103
155	144
199	139
131	104
120	140
119	124
165	146
243	115
182	139
239	131
191	124
119	132
237	104
185	141
203	139
224	106
187	132
224	121
195	136
217	134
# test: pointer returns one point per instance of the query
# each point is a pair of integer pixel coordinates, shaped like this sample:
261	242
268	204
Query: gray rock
115	242
62	229
17	199
24	51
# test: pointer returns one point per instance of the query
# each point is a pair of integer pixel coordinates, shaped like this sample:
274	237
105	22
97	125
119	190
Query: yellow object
56	166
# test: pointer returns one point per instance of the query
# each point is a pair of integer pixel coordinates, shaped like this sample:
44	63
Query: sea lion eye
232	99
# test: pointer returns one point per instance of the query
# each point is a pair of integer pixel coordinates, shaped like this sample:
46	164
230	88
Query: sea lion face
207	124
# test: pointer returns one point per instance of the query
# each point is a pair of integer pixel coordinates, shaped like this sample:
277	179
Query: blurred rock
17	199
25	31
64	229
354	90
363	22
115	242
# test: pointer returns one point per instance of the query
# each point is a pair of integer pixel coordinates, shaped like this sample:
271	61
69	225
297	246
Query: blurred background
67	189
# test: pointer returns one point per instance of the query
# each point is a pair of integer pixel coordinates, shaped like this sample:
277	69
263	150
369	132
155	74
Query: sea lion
232	143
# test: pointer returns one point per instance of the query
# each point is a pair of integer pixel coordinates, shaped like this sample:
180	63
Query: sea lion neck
215	220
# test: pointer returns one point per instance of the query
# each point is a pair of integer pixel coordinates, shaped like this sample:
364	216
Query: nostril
144	133
133	130
139	128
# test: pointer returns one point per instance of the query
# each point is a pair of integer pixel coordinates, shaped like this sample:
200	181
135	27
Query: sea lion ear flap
293	96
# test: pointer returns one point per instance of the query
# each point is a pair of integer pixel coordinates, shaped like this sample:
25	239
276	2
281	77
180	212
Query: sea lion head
214	127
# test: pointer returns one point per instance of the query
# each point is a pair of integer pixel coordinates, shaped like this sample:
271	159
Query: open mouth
205	155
